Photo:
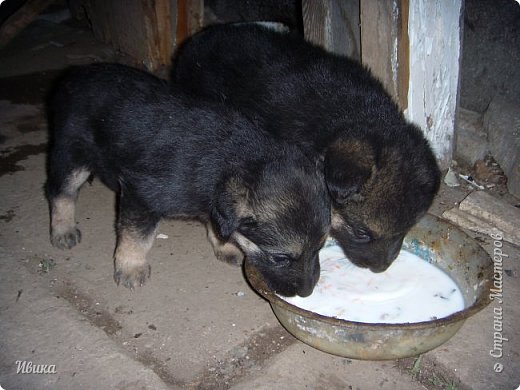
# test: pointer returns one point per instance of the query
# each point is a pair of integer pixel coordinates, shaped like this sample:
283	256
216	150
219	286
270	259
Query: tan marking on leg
131	267
224	251
64	234
75	180
62	214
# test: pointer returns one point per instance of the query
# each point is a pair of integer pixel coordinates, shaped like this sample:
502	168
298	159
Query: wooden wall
412	46
146	30
333	25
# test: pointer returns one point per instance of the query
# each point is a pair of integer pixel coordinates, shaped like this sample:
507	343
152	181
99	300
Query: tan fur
224	251
130	256
76	180
64	233
62	215
245	244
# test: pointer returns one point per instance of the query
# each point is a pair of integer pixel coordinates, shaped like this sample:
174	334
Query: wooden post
333	24
140	28
413	47
190	18
384	44
435	29
158	30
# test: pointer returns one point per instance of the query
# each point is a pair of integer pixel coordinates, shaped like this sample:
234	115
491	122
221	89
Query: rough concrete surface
490	84
472	144
484	213
491	52
196	324
502	120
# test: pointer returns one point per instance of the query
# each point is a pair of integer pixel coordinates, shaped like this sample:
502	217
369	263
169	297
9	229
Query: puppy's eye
248	224
362	236
280	260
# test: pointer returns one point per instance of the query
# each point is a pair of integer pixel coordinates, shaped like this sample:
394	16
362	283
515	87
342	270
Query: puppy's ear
348	166
231	204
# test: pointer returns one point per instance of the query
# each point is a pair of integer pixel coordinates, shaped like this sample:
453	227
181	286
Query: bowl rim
256	280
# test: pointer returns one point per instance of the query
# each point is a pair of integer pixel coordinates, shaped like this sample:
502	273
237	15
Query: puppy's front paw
67	239
229	253
131	276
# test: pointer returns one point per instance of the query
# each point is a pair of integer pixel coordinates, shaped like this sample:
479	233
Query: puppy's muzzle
376	256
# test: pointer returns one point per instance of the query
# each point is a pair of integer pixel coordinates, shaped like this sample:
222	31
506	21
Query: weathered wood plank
333	24
190	18
435	29
414	48
384	43
141	29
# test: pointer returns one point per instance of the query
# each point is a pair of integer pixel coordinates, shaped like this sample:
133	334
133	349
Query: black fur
380	171
171	156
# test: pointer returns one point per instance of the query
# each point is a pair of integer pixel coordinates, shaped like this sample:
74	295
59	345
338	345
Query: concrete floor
196	324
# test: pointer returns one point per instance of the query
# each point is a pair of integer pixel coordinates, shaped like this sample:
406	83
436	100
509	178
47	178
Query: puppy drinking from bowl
170	156
380	172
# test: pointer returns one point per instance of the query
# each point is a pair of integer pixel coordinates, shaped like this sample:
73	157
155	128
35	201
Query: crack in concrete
239	362
244	359
103	320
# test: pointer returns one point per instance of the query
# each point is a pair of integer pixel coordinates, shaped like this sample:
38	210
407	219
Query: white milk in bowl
410	290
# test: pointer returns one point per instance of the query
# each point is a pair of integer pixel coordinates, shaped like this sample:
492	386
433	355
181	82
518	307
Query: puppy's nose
382	267
305	291
391	255
379	268
307	285
306	288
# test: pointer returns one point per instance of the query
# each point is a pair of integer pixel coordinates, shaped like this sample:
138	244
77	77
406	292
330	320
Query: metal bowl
435	241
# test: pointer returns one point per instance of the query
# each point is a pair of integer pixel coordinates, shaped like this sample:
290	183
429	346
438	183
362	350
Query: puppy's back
100	91
125	124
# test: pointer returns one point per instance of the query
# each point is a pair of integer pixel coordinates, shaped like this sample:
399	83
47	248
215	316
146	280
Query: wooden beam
435	29
158	30
414	48
384	44
333	25
190	18
142	29
403	55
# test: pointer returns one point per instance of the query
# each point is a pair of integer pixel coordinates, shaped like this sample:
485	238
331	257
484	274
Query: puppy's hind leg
62	188
224	251
135	234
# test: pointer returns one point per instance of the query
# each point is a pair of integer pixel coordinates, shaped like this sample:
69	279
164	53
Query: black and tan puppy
168	155
379	169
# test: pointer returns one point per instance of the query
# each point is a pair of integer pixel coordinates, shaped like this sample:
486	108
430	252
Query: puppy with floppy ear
349	163
229	210
167	156
260	214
